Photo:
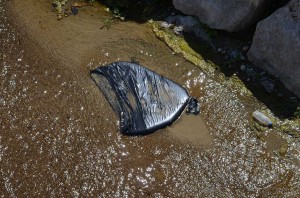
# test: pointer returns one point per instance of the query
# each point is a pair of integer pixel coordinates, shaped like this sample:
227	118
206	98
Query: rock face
229	15
276	45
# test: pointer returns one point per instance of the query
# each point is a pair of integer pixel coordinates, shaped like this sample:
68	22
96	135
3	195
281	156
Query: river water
57	140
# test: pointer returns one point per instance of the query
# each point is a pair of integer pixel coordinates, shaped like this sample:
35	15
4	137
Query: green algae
239	86
180	46
58	4
291	127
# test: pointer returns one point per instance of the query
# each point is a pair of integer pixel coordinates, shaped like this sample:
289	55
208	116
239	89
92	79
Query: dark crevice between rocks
273	5
269	8
141	11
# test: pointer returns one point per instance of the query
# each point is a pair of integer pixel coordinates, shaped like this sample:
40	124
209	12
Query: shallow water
60	138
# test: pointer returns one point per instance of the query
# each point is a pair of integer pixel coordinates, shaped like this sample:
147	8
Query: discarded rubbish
144	100
264	120
193	107
74	10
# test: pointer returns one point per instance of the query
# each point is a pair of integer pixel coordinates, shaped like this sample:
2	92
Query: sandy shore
76	40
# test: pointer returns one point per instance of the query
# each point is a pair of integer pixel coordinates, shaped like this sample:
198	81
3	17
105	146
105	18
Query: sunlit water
54	143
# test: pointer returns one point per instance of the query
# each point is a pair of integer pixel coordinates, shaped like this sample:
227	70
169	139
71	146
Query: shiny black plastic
193	106
144	100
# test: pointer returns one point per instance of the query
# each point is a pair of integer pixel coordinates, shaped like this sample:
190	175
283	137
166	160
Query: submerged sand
59	136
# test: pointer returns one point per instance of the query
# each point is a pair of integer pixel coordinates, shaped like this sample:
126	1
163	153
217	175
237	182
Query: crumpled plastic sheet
144	100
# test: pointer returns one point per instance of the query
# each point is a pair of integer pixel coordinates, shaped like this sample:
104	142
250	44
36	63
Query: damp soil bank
59	136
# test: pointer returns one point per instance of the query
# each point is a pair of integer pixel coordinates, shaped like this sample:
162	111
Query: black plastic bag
144	100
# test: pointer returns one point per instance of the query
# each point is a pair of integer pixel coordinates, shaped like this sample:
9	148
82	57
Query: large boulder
276	45
229	15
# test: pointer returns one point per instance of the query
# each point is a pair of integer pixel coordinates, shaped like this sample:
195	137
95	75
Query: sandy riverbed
60	137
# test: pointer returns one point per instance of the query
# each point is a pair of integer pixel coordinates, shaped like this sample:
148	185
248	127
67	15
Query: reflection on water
59	136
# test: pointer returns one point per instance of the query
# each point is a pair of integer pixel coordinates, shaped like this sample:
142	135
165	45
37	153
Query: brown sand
82	153
75	40
191	128
274	141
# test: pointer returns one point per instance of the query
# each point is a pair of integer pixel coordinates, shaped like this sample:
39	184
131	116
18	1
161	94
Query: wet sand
274	141
75	40
191	128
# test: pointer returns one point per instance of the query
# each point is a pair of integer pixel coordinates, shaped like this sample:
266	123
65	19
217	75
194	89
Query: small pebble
245	48
279	94
262	73
235	54
268	86
293	99
283	150
74	10
178	30
243	67
165	24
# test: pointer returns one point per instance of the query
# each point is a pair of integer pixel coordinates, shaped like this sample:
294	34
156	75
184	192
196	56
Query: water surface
59	137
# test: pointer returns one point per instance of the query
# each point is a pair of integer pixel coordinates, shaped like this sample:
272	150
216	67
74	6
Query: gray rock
229	15
245	48
276	45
